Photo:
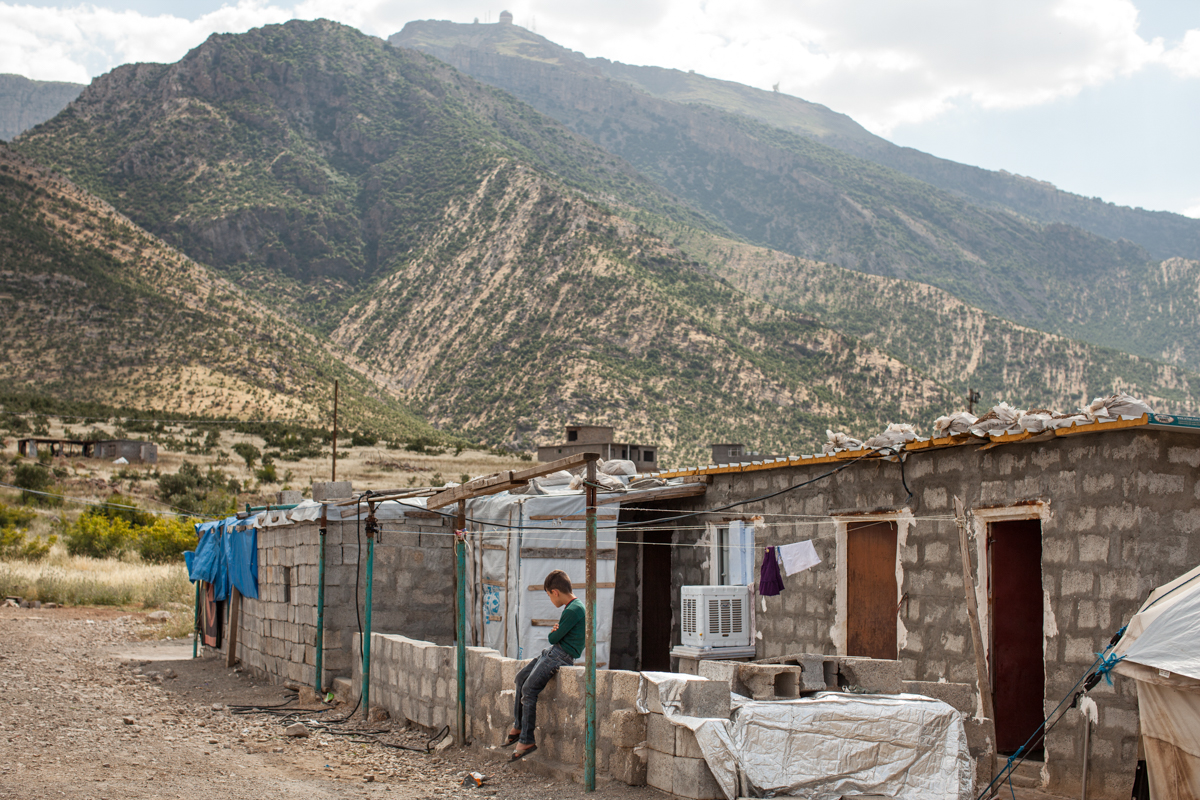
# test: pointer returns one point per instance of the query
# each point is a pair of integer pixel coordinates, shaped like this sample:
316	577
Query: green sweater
571	632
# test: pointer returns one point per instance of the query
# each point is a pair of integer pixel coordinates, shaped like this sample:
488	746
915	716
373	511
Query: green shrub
35	478
166	539
248	452
99	536
267	474
11	517
208	494
17	544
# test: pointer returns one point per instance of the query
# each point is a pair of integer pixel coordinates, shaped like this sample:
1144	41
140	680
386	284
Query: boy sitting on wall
566	644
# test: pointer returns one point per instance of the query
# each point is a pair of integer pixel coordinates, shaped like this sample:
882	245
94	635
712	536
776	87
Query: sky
1099	97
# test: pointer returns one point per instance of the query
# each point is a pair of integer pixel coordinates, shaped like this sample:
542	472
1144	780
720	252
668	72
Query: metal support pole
366	642
319	677
196	625
333	474
460	552
589	702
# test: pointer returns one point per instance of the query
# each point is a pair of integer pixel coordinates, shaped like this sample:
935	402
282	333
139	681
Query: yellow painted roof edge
958	440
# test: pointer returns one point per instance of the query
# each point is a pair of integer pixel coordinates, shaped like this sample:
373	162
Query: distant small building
599	439
129	449
735	454
505	18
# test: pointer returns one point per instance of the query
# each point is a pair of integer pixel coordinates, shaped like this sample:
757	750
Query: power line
80	501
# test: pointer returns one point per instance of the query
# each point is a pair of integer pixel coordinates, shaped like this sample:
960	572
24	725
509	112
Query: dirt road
89	711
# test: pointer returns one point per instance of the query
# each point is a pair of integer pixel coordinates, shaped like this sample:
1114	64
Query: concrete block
703	698
289	497
683	777
660	771
770	681
660	734
874	675
960	696
628	727
726	672
628	765
332	490
625	686
981	734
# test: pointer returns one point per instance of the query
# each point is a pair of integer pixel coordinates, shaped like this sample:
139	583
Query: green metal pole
319	678
589	701
460	608
366	642
196	625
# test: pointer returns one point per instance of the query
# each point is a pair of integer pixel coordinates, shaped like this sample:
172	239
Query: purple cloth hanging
770	582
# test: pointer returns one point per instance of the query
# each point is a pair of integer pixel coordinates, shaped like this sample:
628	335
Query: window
572	436
625	452
735	451
648	455
287	584
732	558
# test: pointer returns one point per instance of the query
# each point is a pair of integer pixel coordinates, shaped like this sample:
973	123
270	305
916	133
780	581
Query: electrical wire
109	505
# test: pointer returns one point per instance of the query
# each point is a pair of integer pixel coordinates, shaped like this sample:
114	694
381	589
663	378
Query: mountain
500	275
788	191
97	309
1163	234
25	103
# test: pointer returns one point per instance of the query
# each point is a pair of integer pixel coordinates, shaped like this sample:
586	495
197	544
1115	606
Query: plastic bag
954	424
1002	418
840	441
1115	406
895	436
618	466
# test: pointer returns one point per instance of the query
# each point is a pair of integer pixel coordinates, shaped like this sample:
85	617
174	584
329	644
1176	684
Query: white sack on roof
618	466
840	441
1002	418
611	483
1068	420
896	435
1161	651
1036	421
307	511
823	747
959	422
560	478
1114	406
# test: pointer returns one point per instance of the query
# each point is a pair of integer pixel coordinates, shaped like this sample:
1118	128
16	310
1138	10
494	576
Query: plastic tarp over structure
823	747
516	541
1161	651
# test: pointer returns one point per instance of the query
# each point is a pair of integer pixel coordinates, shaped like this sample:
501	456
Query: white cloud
885	63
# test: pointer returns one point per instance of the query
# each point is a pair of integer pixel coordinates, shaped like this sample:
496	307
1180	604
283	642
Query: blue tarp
225	555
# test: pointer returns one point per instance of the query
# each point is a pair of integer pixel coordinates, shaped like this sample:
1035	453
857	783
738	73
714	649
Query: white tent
1161	651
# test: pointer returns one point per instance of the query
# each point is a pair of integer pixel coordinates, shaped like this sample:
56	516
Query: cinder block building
1069	531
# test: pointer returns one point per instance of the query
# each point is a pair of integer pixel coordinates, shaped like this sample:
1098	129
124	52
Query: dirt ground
89	710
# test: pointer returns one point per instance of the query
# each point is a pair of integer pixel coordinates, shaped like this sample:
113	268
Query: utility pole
335	401
972	399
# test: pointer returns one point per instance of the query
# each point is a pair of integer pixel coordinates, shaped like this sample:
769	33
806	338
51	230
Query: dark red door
1018	662
871	589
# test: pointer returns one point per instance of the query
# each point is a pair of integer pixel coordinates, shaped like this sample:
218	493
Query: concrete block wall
412	592
415	681
1124	517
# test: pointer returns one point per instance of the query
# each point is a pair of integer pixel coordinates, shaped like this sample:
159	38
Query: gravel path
89	711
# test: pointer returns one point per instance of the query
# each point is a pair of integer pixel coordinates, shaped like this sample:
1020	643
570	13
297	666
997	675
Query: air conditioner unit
716	616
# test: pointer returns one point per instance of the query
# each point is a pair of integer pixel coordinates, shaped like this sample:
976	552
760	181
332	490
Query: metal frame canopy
494	484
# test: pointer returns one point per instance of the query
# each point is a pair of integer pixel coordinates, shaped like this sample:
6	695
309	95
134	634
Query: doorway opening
656	601
871	589
1016	610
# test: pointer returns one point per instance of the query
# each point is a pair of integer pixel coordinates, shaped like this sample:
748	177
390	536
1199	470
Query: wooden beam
564	553
658	493
598	586
508	479
570	516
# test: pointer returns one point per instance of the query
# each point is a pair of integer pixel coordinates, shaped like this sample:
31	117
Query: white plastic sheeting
821	748
509	565
1161	650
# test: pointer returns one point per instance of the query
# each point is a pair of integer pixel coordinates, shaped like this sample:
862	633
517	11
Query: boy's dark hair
558	580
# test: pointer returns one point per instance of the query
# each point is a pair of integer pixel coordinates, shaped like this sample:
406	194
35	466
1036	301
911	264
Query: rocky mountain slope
97	309
780	185
1163	234
500	275
25	103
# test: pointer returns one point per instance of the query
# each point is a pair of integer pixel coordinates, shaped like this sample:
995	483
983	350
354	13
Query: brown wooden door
656	601
1018	661
871	589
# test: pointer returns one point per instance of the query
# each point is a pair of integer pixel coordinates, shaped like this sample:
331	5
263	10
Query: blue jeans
530	682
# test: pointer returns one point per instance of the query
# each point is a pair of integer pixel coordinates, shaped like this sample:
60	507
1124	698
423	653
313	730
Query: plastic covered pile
894	437
840	441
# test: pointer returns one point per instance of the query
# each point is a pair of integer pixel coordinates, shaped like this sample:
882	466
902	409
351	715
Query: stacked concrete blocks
675	762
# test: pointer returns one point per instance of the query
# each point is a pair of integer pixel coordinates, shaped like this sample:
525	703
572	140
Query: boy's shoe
519	754
513	738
